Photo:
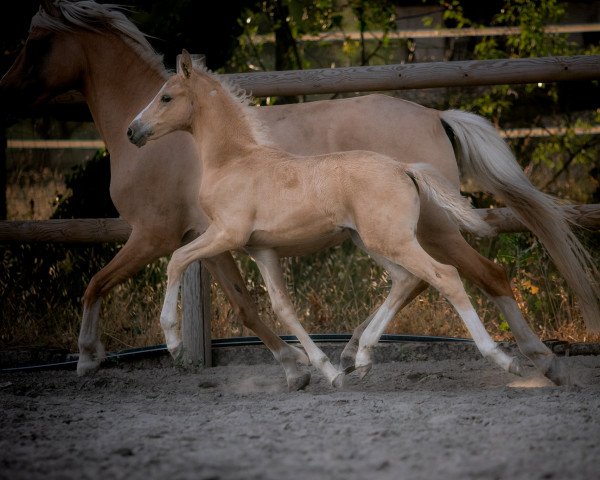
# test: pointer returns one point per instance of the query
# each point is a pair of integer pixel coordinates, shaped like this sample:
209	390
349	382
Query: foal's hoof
298	382
338	381
363	370
515	367
558	372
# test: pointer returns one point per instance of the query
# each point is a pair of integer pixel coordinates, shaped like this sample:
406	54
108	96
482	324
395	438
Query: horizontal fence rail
15	144
395	77
90	230
419	75
433	33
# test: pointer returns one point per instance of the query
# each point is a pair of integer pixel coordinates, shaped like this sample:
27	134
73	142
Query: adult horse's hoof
90	359
298	382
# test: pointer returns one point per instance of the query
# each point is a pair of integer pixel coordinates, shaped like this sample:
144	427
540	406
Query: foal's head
174	106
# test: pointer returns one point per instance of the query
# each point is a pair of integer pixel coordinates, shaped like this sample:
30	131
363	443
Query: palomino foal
261	199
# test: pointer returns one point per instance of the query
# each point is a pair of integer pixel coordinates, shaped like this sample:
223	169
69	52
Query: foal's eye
165	99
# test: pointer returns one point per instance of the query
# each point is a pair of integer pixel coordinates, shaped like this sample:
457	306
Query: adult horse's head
171	109
71	44
49	64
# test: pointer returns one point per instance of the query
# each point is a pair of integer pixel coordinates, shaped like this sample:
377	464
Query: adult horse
95	49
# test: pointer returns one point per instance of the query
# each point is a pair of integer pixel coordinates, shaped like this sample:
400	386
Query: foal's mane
96	17
239	97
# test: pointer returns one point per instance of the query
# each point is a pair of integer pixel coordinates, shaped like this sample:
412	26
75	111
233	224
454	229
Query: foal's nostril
129	133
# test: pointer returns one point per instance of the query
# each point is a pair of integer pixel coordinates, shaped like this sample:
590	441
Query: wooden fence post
3	207
195	324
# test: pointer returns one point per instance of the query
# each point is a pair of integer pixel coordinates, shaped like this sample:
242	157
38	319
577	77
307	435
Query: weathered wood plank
80	230
419	75
402	77
587	216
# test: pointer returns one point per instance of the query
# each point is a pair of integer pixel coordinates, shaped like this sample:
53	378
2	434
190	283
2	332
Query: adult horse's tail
486	159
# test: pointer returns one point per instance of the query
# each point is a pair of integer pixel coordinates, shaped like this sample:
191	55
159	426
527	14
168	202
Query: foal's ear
184	64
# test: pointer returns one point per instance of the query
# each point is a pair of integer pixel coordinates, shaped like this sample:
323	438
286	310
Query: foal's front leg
267	261
211	243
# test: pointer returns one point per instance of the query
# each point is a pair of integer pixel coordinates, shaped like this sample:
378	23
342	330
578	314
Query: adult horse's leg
134	255
451	248
225	272
268	263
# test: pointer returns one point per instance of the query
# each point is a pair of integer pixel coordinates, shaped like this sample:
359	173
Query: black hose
158	350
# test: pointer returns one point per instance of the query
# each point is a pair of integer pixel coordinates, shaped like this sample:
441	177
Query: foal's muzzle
138	134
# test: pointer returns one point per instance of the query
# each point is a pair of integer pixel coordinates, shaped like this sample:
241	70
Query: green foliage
287	21
454	15
553	161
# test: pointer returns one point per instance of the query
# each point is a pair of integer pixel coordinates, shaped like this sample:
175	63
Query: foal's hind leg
445	279
491	279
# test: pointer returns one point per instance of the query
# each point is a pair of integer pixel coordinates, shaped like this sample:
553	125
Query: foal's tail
486	159
437	189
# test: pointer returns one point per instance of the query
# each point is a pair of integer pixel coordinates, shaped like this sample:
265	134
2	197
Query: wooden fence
195	292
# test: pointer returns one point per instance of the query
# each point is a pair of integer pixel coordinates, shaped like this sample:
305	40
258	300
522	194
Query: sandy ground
452	419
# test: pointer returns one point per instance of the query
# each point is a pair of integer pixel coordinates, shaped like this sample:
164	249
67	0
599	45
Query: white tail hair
485	158
437	188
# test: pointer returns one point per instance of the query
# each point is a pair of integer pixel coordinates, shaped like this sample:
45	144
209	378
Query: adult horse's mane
96	17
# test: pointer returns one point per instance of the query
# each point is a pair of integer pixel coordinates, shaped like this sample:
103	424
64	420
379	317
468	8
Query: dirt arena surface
459	418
